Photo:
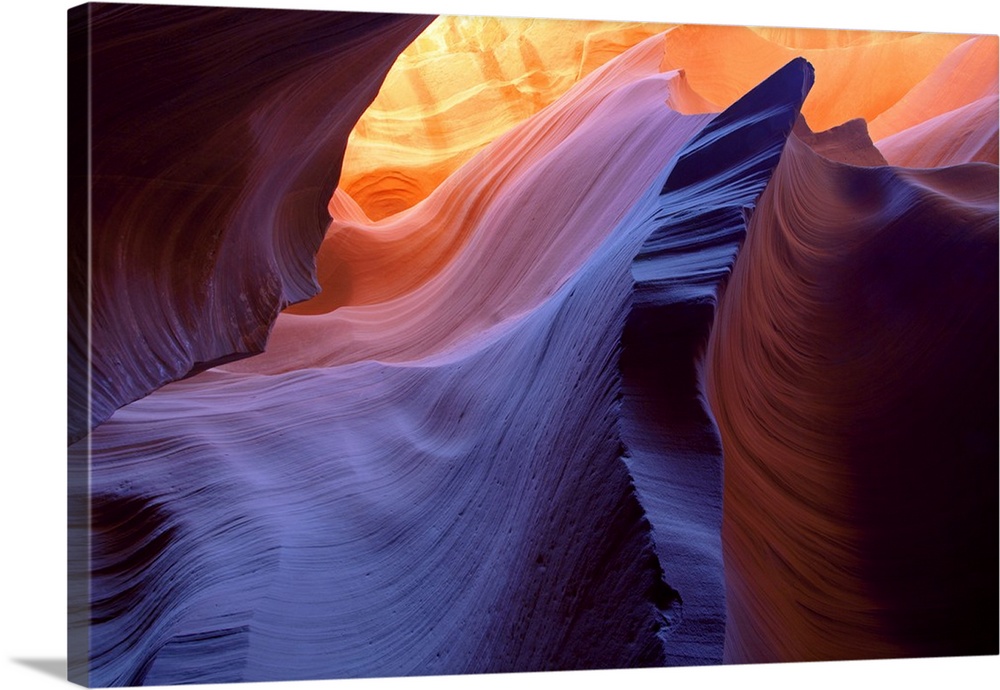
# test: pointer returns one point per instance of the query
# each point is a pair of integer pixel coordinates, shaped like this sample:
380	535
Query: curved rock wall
852	372
640	383
217	137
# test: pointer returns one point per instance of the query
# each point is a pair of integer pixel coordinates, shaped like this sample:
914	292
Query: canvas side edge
78	344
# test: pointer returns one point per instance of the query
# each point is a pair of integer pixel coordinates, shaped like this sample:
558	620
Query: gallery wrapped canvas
427	345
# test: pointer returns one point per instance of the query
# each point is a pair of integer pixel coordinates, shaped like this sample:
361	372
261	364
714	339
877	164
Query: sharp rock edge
694	228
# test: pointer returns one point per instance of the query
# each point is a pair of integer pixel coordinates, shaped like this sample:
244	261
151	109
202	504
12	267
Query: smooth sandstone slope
209	181
500	235
484	446
967	74
951	116
465	511
858	74
460	85
378	519
965	134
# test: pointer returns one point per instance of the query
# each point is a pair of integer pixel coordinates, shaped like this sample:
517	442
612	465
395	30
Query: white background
32	245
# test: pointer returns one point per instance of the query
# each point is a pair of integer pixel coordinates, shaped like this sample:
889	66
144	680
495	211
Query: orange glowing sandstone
464	82
467	80
858	73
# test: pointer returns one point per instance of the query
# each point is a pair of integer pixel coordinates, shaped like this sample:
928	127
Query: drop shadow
50	667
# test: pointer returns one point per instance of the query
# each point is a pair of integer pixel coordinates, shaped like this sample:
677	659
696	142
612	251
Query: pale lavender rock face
534	205
391	520
470	510
512	466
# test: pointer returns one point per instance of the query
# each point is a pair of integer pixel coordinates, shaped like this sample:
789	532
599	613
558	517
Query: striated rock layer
499	236
852	371
465	510
858	73
966	74
216	137
673	447
495	440
463	83
951	116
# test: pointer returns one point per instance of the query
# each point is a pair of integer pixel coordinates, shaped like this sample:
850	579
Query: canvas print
420	345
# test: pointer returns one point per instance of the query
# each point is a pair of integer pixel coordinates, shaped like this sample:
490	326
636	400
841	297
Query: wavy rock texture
494	240
411	519
852	371
967	74
209	180
632	383
966	134
858	74
464	82
673	448
949	117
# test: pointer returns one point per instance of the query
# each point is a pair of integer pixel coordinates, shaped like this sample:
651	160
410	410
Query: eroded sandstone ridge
690	358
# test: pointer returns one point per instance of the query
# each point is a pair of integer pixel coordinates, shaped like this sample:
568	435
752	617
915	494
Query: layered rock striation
634	382
215	140
852	372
